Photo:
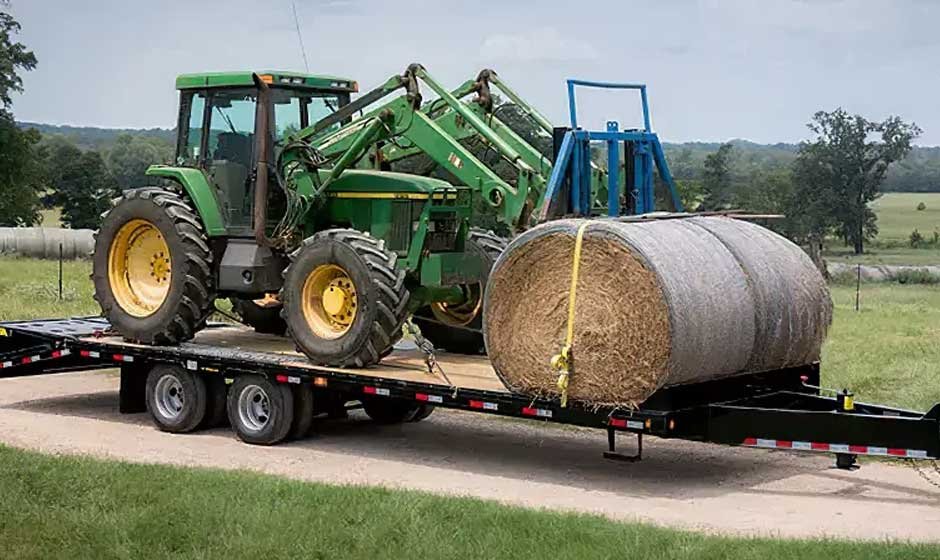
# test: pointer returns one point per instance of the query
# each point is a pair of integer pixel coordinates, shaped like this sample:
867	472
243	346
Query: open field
897	218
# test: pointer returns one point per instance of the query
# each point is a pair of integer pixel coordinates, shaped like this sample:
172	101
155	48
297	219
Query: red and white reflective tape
31	359
287	379
539	412
835	448
376	391
624	423
122	358
428	398
484	405
89	354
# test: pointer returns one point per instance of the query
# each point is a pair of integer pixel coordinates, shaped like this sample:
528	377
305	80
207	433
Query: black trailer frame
780	410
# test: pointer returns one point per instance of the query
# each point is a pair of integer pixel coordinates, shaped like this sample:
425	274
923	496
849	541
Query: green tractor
335	256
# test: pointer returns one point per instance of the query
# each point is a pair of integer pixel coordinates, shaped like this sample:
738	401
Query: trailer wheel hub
329	301
139	268
169	397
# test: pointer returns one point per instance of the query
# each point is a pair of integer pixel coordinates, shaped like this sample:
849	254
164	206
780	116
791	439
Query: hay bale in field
659	303
44	243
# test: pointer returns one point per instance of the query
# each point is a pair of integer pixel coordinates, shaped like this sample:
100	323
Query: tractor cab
218	128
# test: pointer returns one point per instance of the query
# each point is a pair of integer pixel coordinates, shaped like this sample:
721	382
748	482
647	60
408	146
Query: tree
57	153
20	172
132	155
716	179
13	56
841	171
84	190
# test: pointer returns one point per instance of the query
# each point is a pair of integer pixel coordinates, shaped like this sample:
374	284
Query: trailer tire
303	411
388	411
344	299
216	393
265	320
422	412
260	412
460	330
176	398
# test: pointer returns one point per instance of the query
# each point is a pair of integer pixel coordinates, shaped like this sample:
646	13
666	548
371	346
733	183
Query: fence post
858	284
60	271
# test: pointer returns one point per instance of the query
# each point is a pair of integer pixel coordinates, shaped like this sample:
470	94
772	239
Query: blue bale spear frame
574	160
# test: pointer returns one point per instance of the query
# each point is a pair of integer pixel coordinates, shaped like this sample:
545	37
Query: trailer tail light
484	405
538	412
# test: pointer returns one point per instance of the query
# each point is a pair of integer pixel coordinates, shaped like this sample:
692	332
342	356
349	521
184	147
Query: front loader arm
417	132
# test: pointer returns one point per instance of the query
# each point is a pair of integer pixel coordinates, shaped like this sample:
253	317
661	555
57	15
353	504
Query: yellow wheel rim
139	268
461	314
329	301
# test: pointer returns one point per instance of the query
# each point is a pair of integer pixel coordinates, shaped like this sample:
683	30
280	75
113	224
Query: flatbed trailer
780	409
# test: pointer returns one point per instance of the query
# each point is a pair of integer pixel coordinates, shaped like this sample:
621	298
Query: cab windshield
295	110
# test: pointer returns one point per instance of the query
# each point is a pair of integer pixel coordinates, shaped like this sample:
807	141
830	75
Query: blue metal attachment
643	154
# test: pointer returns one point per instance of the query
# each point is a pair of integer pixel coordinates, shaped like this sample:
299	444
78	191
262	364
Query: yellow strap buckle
562	361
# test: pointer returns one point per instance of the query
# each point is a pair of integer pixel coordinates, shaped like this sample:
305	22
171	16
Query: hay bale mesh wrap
659	303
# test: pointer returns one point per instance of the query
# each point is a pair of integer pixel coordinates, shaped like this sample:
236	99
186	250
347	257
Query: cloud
543	44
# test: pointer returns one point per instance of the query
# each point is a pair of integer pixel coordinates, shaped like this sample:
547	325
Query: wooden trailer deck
405	363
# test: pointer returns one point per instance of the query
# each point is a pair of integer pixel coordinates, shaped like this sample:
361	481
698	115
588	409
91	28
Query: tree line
823	191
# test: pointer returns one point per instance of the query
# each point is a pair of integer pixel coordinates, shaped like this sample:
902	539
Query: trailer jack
612	453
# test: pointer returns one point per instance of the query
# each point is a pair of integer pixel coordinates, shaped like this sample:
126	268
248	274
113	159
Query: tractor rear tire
265	320
459	330
152	268
344	300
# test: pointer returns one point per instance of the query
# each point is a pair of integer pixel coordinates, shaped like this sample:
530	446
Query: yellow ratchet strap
562	361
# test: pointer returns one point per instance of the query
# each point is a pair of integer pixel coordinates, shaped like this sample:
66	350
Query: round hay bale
43	243
659	303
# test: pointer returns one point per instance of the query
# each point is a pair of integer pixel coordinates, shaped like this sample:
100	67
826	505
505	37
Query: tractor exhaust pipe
262	122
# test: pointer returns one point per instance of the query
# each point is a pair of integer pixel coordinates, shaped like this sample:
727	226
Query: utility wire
300	37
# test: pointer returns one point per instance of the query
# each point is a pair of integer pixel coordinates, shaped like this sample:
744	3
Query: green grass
887	352
64	507
897	218
898	215
29	289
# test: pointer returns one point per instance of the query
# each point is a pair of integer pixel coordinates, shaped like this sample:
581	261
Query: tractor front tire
344	299
459	328
152	268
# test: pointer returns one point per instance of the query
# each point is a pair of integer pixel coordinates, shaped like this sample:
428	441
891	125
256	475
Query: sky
715	69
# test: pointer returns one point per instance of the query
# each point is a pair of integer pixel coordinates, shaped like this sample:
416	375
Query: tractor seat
233	147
